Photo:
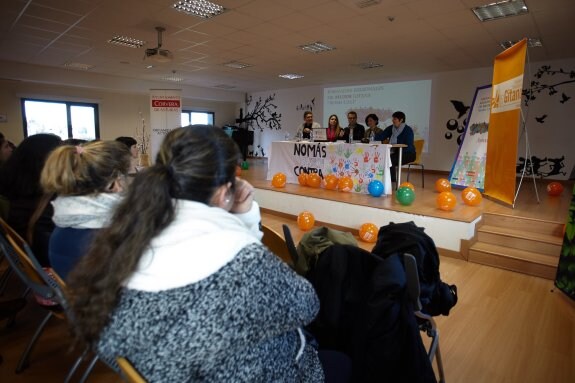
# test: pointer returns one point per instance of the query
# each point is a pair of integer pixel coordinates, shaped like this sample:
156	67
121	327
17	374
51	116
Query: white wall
552	139
119	111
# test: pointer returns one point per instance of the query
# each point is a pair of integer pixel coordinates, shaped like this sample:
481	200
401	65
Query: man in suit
357	130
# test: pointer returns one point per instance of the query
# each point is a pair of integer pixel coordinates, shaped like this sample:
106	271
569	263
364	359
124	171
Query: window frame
190	111
69	105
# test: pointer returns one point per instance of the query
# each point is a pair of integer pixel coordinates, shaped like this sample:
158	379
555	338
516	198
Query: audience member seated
358	130
87	180
5	149
373	130
308	125
30	212
132	145
399	133
334	132
180	284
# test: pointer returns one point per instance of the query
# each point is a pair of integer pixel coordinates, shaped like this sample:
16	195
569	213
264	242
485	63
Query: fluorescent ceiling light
531	43
291	76
237	65
200	8
78	66
500	9
369	65
127	41
173	78
224	86
317	47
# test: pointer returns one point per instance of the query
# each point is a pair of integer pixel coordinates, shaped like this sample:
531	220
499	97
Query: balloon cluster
447	201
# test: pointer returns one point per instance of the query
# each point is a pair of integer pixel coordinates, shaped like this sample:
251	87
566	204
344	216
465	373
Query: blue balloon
375	188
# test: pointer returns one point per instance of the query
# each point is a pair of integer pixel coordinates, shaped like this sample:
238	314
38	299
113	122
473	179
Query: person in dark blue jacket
87	180
398	133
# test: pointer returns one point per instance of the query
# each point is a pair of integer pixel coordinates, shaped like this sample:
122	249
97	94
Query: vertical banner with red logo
165	115
504	123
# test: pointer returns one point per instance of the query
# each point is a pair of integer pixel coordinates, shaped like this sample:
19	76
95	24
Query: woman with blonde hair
87	180
180	283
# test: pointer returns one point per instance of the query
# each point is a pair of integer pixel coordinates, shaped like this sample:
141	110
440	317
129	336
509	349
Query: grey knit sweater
237	325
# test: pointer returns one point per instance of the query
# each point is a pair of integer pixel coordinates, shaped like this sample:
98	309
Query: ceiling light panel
369	65
500	9
531	43
127	41
78	66
291	76
200	8
317	47
237	65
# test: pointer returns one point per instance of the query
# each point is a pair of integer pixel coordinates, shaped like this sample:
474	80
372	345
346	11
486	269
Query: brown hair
84	169
192	163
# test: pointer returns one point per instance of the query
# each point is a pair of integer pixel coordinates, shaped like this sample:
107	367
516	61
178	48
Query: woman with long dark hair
180	284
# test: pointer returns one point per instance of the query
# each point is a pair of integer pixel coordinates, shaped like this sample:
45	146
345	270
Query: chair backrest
412	275
290	244
26	266
129	371
275	242
418	150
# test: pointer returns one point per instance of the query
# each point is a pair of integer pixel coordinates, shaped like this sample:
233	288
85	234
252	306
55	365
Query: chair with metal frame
426	322
419	144
129	372
48	290
274	241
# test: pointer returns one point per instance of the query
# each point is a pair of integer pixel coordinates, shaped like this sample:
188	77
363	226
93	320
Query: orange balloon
407	185
442	185
554	189
368	232
302	179
305	220
471	196
279	180
446	201
331	182
313	180
238	171
345	184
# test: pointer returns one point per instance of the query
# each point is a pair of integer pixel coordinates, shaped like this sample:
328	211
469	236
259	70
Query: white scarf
85	212
200	241
395	132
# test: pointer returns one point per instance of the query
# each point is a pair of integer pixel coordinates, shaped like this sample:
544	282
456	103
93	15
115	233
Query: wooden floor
507	327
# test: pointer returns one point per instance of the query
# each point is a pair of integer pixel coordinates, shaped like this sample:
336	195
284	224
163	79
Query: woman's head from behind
199	160
21	173
92	168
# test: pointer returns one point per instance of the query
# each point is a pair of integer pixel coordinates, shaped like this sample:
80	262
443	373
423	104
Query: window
62	118
190	117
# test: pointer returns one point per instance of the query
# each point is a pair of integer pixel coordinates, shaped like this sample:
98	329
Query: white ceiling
425	36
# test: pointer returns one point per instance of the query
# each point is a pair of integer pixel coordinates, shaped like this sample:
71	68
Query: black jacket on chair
365	312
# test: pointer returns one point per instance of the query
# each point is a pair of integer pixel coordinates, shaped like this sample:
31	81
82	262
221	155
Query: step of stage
522	261
536	242
526	245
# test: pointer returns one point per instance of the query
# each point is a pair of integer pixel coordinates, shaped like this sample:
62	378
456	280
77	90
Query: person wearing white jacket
180	284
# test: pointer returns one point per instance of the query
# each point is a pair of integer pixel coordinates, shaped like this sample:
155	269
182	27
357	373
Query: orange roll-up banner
504	123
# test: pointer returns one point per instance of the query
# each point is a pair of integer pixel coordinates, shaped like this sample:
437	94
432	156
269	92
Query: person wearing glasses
399	133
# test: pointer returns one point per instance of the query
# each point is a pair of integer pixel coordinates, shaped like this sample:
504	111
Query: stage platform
449	230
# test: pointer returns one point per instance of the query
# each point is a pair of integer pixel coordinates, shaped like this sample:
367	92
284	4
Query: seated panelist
399	133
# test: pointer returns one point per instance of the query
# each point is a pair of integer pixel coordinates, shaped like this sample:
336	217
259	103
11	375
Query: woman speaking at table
334	131
399	133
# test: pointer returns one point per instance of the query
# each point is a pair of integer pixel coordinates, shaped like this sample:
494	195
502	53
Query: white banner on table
361	162
165	115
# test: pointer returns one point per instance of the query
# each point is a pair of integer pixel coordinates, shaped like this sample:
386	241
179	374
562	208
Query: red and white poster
165	115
